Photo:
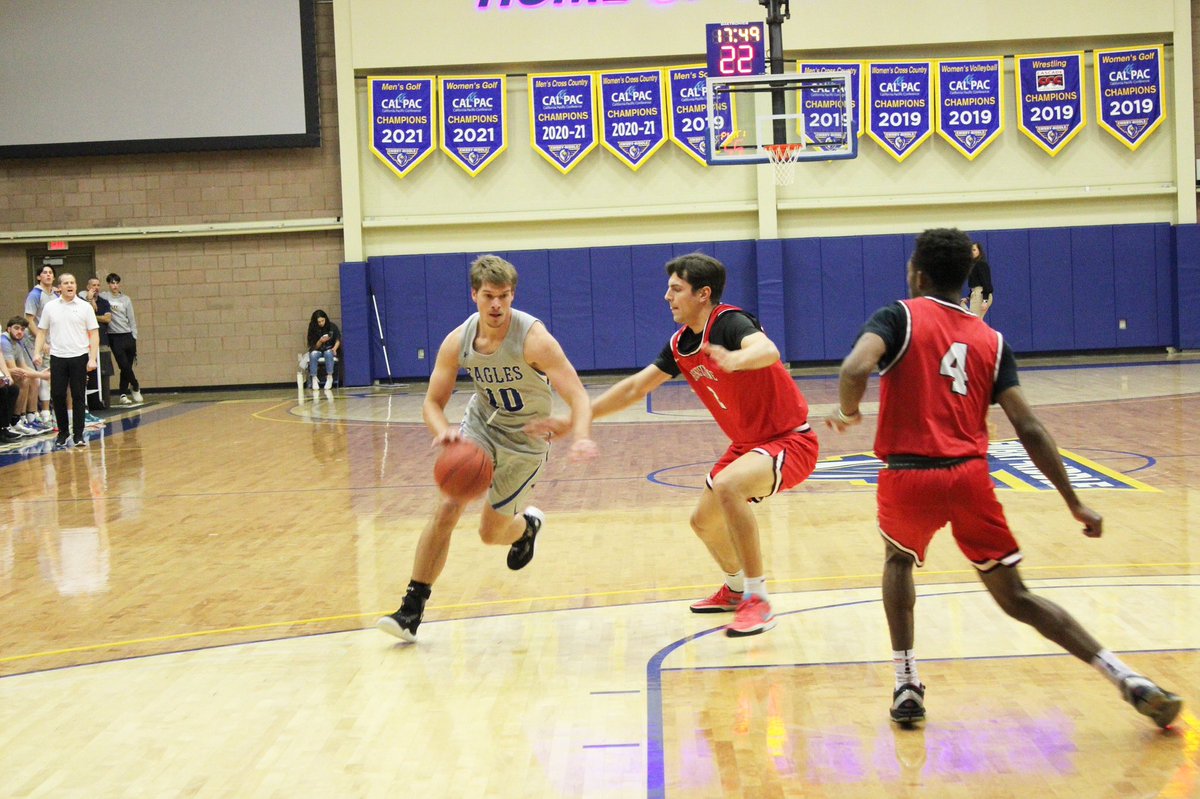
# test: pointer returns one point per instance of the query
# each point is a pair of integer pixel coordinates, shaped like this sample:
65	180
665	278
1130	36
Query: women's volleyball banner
473	120
401	121
970	111
562	117
900	105
1129	92
1050	106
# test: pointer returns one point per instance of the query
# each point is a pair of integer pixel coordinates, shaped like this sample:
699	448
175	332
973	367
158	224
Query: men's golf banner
474	120
1129	92
688	93
633	120
1050	107
402	112
970	104
900	105
562	117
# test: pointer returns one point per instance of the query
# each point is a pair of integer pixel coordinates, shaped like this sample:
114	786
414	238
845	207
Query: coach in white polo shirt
70	325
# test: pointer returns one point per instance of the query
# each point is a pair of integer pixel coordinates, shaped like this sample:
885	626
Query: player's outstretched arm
545	354
756	352
852	380
441	386
1043	450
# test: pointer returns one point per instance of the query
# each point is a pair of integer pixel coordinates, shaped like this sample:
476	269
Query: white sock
904	661
1111	667
736	582
756	586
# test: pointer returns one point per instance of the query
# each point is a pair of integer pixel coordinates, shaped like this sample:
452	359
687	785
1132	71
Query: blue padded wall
356	347
1050	290
571	292
1187	240
842	294
612	307
1092	289
805	321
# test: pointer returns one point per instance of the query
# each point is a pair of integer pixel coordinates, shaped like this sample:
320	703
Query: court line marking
198	634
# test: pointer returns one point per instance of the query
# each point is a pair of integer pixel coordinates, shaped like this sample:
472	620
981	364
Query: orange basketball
463	470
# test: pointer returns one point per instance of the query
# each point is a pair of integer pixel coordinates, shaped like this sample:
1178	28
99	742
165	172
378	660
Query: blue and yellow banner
900	105
822	113
970	103
1050	108
689	110
402	113
633	119
474	124
1130	102
562	117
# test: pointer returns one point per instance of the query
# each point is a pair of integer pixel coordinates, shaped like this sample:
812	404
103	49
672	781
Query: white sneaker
328	382
314	383
125	400
137	395
25	430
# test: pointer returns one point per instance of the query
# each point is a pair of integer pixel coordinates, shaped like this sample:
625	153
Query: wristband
847	418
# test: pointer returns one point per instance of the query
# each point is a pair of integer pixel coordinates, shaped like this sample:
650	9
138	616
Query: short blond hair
492	269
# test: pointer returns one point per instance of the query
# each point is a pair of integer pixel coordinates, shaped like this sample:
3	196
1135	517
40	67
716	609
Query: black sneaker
908	703
404	622
62	443
521	552
1148	699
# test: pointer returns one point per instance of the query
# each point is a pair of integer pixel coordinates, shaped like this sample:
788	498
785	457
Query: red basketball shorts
916	503
793	458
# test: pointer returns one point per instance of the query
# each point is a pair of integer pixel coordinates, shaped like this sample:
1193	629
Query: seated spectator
324	341
18	361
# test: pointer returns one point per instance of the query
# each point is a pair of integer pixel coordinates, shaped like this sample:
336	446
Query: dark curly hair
944	254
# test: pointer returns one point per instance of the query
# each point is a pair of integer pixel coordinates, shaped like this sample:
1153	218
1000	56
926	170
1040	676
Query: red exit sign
56	245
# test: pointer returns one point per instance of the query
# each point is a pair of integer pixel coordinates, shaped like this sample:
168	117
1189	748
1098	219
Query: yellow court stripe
1107	472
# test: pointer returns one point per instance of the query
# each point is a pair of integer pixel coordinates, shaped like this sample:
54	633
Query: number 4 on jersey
954	366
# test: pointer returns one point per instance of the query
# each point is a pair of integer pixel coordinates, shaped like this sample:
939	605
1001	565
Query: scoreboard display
735	49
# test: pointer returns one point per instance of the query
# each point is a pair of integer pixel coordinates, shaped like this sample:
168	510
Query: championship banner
632	114
1050	106
562	117
474	120
970	107
900	106
401	121
819	122
689	110
1129	92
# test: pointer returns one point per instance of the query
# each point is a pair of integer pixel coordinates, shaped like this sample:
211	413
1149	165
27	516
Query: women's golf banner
401	121
900	105
633	119
970	108
897	103
1129	92
562	117
473	120
1050	107
689	110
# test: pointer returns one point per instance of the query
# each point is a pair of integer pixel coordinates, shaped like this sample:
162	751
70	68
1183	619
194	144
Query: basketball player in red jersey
735	370
941	367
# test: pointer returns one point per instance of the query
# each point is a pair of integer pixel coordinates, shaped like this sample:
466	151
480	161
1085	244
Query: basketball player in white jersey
513	360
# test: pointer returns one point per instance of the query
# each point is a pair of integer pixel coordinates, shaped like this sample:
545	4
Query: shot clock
736	49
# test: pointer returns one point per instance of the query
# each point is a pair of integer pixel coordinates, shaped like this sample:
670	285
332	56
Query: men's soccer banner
689	110
474	124
970	111
900	105
633	119
821	111
1050	107
1129	92
562	117
401	121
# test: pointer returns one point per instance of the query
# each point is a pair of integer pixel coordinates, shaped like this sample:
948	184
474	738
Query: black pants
69	373
124	349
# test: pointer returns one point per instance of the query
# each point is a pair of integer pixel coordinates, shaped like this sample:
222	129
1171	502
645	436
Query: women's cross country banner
632	115
970	110
473	120
900	105
1050	106
402	115
1129	92
689	110
562	117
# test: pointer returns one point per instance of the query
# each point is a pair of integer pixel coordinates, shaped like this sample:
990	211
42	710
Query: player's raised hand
583	450
1093	523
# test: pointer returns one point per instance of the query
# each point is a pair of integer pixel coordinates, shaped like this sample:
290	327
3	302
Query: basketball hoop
784	157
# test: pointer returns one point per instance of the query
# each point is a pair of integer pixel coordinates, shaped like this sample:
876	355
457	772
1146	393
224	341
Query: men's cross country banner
1129	92
970	109
900	105
562	117
632	115
473	120
820	108
401	121
1050	107
689	110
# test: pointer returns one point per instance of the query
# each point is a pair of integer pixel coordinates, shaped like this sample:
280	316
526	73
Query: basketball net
784	157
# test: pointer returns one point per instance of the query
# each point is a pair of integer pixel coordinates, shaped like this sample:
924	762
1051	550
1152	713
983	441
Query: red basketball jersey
935	393
751	406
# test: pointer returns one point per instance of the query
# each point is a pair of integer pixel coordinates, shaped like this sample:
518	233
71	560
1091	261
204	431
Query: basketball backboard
747	115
